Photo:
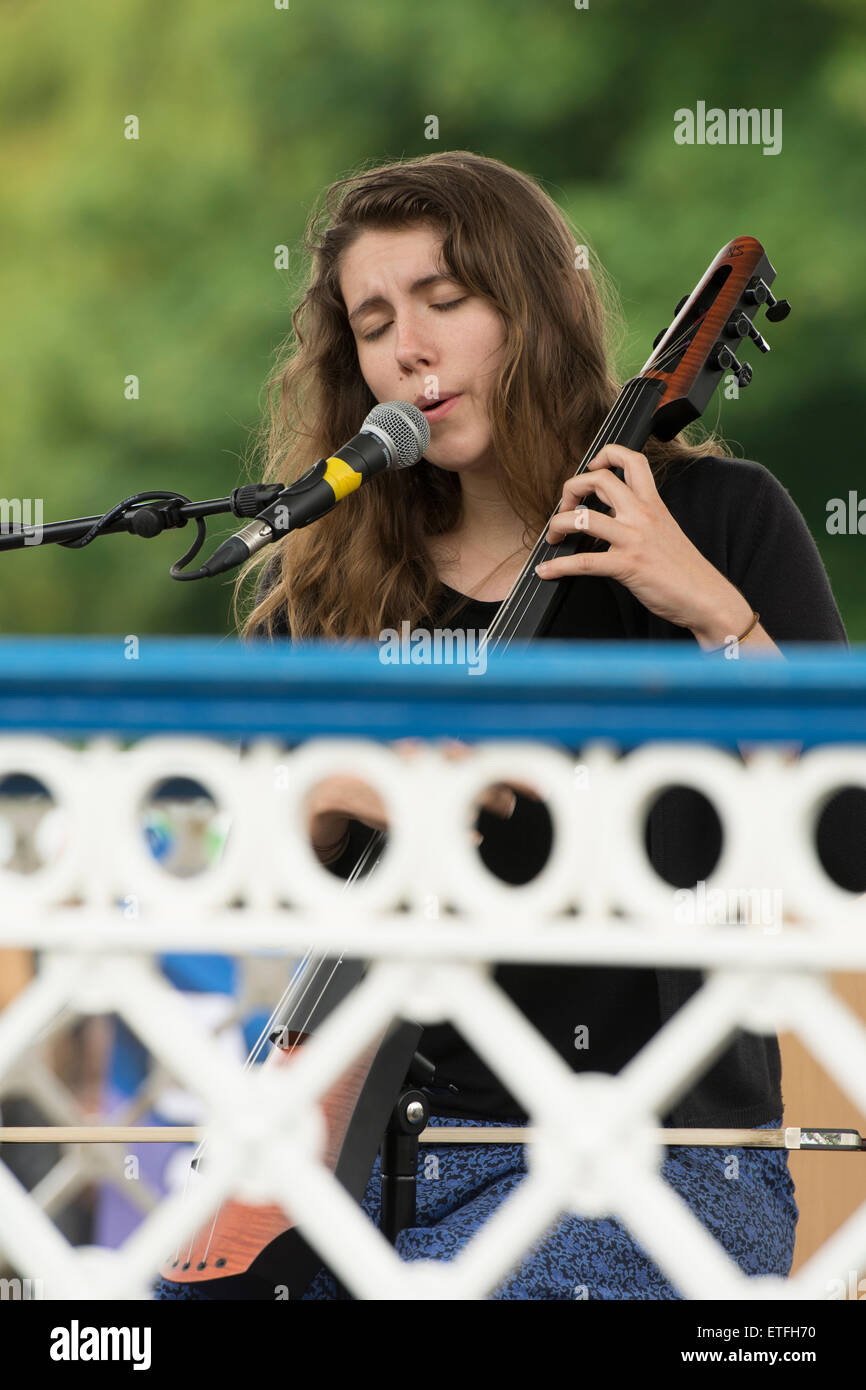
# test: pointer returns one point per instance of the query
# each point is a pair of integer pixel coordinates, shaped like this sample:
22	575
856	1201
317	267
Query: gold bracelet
756	617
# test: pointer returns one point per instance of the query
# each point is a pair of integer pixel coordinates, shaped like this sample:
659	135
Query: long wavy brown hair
366	566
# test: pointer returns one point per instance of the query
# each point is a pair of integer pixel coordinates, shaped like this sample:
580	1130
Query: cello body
263	1241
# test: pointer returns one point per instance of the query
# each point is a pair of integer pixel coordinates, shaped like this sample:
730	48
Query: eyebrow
423	283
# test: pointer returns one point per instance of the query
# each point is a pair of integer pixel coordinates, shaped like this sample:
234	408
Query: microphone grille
402	429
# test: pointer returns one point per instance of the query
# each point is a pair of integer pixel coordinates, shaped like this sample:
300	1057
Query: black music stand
399	1161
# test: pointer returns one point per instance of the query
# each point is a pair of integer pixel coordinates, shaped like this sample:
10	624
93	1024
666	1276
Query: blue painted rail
558	691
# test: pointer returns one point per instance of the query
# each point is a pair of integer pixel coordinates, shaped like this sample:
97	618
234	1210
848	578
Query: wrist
726	619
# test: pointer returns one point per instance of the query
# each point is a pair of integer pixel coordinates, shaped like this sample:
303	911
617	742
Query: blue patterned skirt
743	1197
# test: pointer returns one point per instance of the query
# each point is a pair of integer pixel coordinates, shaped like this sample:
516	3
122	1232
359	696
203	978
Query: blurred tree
155	257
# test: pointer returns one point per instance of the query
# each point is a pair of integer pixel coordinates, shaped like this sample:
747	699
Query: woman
454	277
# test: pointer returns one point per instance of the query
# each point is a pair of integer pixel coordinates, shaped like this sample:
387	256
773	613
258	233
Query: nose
413	341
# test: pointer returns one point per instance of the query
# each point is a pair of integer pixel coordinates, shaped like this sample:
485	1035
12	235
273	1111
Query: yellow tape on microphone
341	477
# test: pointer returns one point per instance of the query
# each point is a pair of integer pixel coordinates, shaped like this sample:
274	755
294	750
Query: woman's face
423	342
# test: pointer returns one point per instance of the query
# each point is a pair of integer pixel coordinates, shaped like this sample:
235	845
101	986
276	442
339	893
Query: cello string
611	421
269	1026
250	1061
528	581
285	1000
372	844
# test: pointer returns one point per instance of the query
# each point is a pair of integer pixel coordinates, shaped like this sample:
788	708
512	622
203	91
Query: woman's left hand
649	553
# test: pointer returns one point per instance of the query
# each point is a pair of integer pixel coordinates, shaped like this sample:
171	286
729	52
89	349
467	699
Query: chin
458	462
450	465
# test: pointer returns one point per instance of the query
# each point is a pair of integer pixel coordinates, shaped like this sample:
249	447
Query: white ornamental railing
433	921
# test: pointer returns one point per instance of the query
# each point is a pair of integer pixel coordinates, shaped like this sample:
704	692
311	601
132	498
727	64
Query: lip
441	409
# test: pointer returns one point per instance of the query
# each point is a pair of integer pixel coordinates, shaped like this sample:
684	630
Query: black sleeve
360	836
772	559
793	595
775	564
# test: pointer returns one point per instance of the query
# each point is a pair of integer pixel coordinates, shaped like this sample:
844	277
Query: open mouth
444	404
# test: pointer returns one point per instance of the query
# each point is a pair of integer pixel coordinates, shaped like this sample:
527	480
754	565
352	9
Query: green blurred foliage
156	256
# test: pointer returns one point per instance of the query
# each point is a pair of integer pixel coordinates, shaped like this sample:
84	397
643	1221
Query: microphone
394	435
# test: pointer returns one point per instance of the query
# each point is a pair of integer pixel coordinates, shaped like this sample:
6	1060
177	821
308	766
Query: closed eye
449	304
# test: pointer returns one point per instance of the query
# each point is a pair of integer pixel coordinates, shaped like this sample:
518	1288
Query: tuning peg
680	305
778	309
741	325
658	337
758	292
760	342
722	358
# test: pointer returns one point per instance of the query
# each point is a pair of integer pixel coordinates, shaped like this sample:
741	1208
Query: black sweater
745	523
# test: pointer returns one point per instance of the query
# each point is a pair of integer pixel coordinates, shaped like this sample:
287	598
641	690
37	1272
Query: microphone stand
147	514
